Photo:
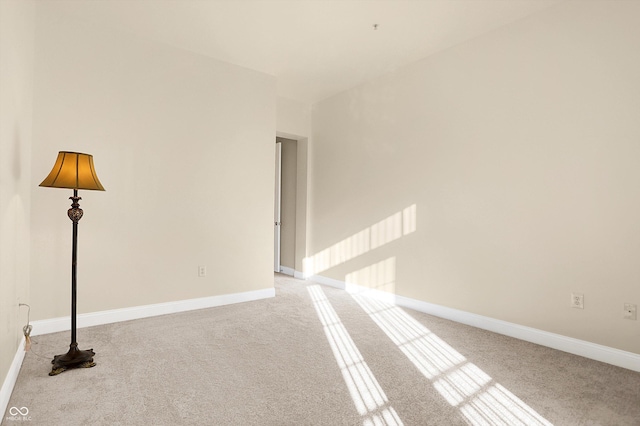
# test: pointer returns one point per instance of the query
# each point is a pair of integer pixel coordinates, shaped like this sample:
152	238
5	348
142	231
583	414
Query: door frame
302	148
277	209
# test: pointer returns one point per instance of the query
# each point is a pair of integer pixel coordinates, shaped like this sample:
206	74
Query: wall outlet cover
577	300
630	311
202	271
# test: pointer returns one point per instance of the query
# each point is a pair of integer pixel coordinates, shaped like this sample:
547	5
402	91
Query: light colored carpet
315	355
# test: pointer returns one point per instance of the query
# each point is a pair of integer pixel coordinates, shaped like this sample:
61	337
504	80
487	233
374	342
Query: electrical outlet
577	301
202	271
630	311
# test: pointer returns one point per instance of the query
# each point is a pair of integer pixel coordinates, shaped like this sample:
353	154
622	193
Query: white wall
293	118
184	147
16	75
518	152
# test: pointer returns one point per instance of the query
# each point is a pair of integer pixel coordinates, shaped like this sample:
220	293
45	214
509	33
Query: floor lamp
73	170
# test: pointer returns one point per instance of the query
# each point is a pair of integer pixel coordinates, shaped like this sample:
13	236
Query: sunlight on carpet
462	384
368	397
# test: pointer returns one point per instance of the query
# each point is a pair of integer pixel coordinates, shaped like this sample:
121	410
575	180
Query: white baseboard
287	271
327	281
11	377
292	272
125	314
583	348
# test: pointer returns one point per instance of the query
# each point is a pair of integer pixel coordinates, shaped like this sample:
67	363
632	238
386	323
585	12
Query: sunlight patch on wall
379	276
409	220
377	235
386	230
480	399
368	397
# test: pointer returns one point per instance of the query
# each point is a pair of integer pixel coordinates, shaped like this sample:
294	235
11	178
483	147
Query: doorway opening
290	210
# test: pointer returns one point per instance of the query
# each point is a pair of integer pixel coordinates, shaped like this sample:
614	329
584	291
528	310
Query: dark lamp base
75	358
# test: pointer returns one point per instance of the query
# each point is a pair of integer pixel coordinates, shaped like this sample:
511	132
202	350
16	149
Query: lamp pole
74	358
75	214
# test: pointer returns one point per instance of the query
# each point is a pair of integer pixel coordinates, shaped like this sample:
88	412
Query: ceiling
315	48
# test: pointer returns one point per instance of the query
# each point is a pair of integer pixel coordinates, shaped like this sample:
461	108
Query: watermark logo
18	414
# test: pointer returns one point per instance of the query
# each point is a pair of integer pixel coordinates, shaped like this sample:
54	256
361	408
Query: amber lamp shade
73	170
